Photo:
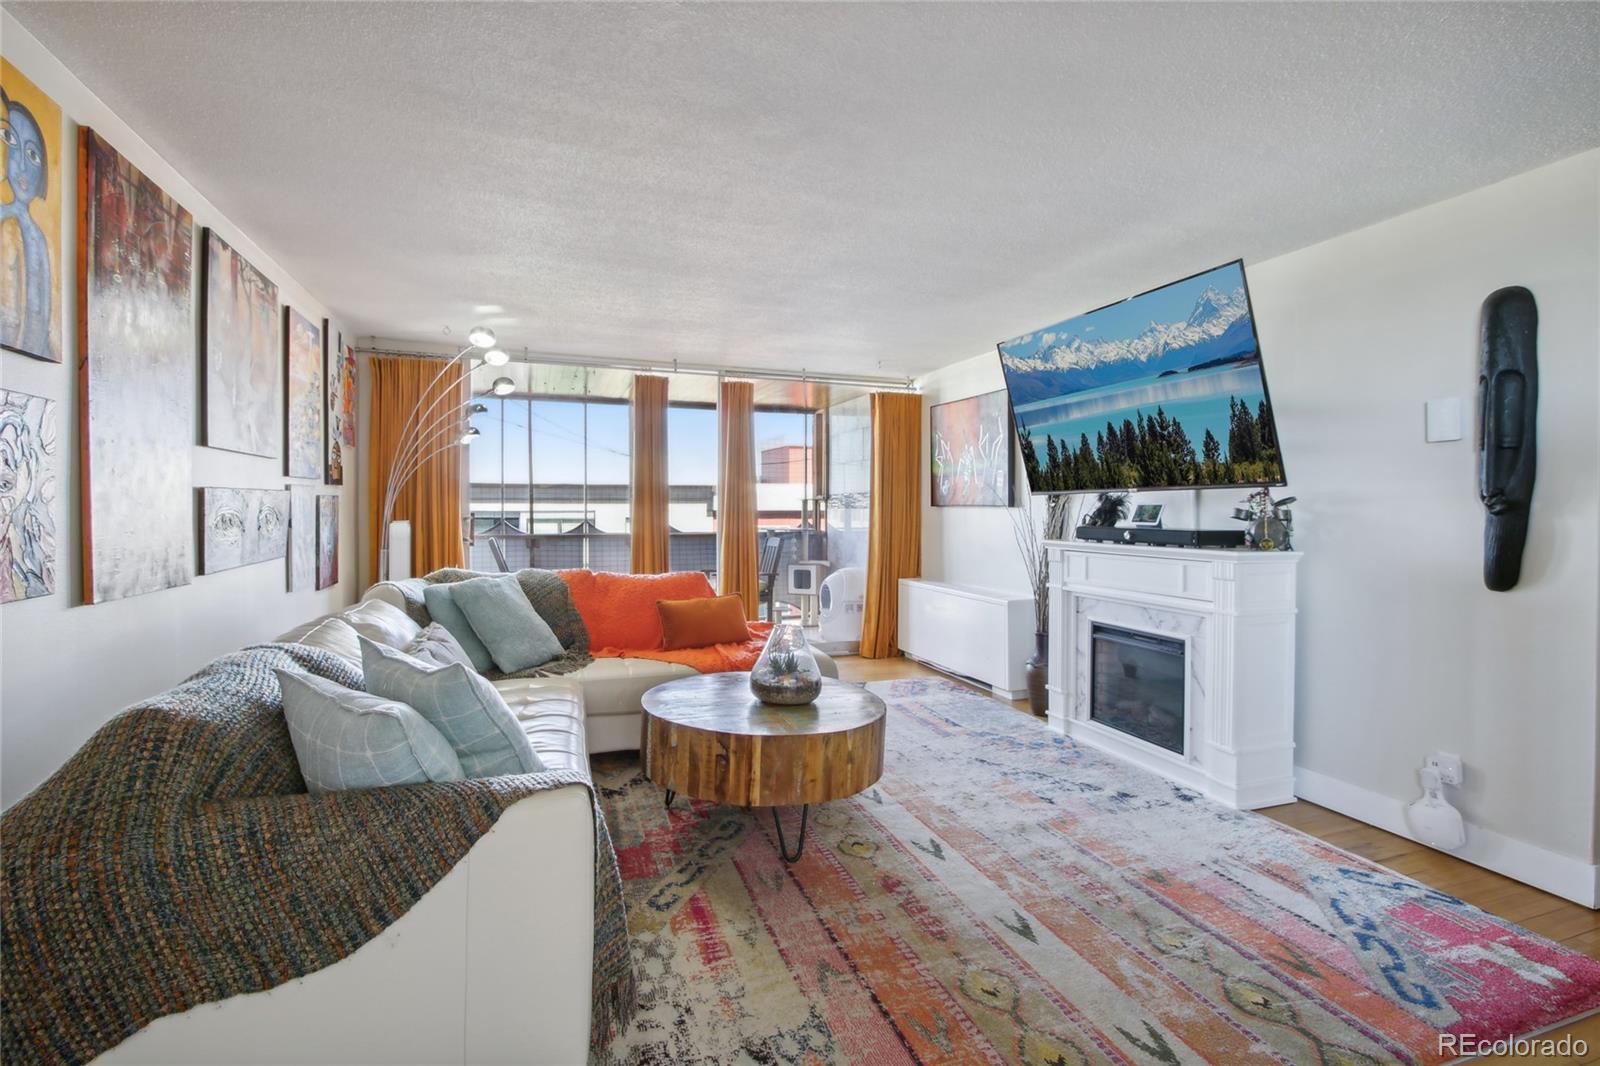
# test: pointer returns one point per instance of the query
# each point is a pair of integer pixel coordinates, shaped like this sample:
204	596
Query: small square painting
239	527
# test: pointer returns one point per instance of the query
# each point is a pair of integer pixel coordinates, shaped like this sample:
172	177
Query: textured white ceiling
865	188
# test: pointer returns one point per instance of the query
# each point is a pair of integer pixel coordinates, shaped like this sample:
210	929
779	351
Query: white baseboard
1559	874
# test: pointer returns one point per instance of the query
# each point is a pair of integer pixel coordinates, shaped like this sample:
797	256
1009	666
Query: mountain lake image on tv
1161	390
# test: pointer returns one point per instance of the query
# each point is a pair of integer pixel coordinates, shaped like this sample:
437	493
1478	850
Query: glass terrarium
787	673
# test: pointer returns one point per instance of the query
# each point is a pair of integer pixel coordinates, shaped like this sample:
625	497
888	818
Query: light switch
1443	419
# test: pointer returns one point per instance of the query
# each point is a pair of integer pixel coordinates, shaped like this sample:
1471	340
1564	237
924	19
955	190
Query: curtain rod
641	366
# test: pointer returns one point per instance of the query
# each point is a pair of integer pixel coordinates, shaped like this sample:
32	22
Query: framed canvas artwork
303	399
972	455
28	448
239	353
333	385
30	218
242	526
136	381
327	541
302	538
347	399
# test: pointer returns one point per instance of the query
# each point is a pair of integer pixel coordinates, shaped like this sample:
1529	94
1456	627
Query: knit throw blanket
551	601
177	859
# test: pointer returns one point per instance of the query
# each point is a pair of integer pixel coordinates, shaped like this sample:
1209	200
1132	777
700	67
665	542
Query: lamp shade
481	337
496	357
470	435
503	387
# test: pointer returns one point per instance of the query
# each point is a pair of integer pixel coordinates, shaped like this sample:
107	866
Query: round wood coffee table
706	736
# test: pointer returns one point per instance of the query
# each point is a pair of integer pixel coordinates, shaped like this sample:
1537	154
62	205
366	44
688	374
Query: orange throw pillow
619	610
699	623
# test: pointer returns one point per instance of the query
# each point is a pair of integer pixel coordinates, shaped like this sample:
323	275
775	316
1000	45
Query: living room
660	533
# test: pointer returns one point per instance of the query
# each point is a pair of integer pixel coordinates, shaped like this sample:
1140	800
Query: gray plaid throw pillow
346	739
460	703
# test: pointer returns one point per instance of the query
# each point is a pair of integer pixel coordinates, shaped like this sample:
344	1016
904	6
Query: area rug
1004	895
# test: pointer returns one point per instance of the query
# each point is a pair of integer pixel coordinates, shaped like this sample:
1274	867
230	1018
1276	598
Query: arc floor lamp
429	432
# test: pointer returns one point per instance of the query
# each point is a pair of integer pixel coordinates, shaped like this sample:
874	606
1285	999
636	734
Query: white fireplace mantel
1234	612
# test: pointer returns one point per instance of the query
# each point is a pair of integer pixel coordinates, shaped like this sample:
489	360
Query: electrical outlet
1448	764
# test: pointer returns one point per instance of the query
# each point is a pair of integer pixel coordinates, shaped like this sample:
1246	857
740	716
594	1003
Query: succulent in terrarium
787	673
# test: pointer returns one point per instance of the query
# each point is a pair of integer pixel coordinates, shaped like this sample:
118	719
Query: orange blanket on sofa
620	613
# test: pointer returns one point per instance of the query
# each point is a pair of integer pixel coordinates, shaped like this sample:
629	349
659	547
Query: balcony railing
596	551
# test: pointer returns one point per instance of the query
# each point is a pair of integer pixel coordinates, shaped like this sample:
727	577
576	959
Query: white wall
65	669
1401	649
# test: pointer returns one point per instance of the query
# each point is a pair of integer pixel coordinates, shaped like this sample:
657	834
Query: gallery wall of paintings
140	283
104	271
177	424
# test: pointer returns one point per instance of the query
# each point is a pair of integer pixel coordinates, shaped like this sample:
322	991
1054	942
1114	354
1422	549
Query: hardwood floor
1551	916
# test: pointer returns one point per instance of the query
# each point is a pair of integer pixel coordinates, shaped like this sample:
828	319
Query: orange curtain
736	494
648	496
894	540
431	499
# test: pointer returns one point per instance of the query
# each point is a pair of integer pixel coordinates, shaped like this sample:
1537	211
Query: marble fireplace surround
1234	611
1177	625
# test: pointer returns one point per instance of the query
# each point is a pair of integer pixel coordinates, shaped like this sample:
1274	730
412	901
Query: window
551	468
549	473
692	486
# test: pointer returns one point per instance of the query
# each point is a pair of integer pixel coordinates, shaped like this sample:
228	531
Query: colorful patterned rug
1006	896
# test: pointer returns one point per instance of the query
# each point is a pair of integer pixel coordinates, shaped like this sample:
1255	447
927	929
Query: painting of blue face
30	219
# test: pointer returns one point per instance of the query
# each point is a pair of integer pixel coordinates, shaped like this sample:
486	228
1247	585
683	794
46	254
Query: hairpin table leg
671	795
800	842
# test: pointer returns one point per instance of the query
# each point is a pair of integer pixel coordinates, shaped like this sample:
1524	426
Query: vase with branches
1031	536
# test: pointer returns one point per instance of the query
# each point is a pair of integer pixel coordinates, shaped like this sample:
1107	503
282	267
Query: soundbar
1167	538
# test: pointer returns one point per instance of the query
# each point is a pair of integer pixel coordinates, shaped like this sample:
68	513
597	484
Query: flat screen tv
1161	390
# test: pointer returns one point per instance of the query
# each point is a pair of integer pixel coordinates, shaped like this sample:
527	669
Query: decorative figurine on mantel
786	674
1271	525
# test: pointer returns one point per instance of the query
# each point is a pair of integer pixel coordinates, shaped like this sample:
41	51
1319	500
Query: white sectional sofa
612	688
493	964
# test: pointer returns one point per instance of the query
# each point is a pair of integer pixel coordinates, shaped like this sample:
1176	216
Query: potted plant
1110	508
1031	537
